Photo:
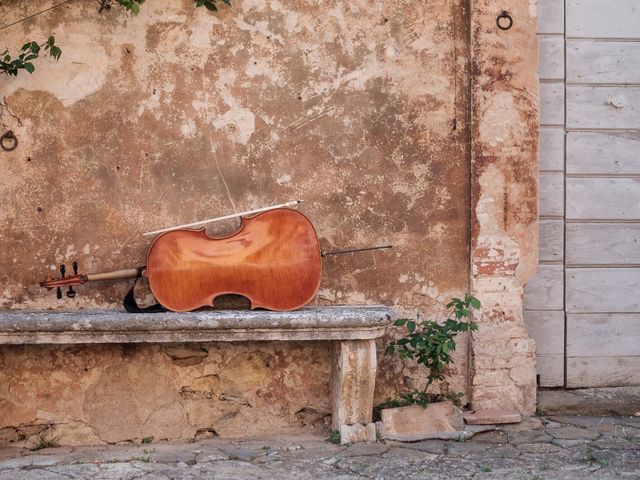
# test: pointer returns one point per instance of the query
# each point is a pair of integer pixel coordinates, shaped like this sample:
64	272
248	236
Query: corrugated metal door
583	308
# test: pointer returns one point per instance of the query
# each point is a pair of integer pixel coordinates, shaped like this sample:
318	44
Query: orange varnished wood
273	260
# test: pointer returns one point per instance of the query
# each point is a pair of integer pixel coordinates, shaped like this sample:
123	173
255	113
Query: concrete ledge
19	327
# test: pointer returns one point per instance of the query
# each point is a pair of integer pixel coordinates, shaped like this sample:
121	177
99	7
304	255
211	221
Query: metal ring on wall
8	141
504	25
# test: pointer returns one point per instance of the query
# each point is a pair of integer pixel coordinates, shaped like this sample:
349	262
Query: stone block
354	377
414	423
357	433
492	417
571	432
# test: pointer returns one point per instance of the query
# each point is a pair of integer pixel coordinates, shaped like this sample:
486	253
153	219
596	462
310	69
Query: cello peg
74	265
71	292
63	269
58	293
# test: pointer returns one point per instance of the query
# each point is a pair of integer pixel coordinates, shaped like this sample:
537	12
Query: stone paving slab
546	449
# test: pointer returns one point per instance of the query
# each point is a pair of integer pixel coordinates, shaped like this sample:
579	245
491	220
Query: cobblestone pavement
538	448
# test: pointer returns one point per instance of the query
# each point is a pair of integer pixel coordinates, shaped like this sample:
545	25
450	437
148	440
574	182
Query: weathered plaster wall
504	203
128	392
358	108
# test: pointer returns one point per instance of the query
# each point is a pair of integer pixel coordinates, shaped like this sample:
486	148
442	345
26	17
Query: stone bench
352	329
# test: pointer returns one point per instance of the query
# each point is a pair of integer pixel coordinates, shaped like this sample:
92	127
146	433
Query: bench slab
20	327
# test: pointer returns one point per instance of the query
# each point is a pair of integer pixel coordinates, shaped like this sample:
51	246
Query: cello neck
115	275
76	279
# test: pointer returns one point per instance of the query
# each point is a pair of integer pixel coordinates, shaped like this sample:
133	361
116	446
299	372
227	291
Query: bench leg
354	379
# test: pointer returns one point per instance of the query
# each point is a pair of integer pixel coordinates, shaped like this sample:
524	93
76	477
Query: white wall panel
603	18
603	153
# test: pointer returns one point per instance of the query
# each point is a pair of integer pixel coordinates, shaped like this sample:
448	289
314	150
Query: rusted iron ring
504	25
8	141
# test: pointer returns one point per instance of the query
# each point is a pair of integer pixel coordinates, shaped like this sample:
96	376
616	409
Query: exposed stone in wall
504	201
108	393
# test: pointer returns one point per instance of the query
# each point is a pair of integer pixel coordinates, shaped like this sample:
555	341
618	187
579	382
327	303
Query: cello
273	259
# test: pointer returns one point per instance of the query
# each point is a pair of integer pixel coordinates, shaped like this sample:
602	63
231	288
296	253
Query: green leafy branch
432	344
133	6
211	4
29	52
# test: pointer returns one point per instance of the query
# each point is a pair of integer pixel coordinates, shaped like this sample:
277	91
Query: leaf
411	326
51	40
474	302
135	8
400	322
29	67
389	350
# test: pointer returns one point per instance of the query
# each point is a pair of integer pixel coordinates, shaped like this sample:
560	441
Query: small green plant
147	440
432	344
29	52
133	6
45	442
335	437
211	4
590	457
486	468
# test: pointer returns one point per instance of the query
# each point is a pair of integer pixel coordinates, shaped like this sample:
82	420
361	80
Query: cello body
273	259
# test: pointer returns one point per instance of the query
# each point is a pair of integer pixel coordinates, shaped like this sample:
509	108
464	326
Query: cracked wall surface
178	114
